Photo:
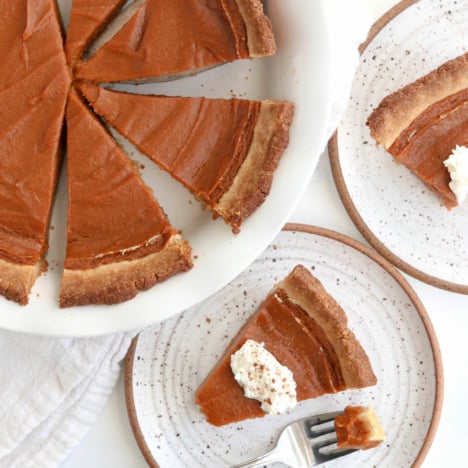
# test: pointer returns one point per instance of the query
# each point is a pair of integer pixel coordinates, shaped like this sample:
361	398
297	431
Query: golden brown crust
305	290
120	281
253	181
306	330
260	39
17	280
399	109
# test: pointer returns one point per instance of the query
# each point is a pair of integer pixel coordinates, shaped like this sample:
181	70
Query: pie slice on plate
87	19
306	330
119	240
225	151
423	122
165	39
34	82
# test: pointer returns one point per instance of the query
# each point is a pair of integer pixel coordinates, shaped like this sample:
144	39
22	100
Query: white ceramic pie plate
299	72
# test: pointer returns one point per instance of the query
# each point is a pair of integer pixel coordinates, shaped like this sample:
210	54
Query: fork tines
321	432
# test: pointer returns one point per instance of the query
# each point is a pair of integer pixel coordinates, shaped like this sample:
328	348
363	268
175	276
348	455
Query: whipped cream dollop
263	378
457	165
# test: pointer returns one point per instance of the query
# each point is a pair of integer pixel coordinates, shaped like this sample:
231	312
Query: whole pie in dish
119	240
169	38
358	428
33	89
306	330
421	123
224	151
115	251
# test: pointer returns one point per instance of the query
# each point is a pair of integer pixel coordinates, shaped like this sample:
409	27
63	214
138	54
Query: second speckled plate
167	362
391	207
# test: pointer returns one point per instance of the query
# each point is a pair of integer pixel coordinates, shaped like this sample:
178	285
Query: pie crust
197	34
358	428
33	92
396	111
33	89
119	240
238	143
423	122
307	331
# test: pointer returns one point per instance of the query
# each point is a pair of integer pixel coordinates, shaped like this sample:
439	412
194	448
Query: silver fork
303	443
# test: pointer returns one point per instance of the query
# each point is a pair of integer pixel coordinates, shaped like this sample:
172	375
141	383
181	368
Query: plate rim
364	229
397	276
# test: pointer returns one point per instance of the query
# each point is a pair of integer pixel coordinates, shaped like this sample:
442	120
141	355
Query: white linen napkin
52	390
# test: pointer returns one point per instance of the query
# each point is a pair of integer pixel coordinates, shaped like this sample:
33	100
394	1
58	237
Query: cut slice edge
421	124
111	276
118	282
130	39
84	27
358	428
267	137
26	116
306	291
397	110
16	280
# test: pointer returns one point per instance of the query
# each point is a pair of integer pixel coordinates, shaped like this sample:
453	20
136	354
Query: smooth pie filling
224	151
33	88
421	123
167	38
306	331
119	240
87	19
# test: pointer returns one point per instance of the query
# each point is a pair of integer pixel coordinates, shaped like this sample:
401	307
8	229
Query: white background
110	442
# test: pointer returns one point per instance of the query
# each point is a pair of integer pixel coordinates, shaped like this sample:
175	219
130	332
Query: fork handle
262	460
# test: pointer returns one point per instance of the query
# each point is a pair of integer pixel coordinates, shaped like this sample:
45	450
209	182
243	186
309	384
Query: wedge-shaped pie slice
224	151
167	38
87	19
34	82
306	330
421	123
358	428
119	240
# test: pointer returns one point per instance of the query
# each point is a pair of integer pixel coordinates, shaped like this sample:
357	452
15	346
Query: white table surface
110	442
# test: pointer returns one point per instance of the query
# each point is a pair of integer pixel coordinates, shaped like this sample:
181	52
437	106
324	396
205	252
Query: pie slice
119	240
167	38
34	82
224	151
421	123
306	330
358	428
87	19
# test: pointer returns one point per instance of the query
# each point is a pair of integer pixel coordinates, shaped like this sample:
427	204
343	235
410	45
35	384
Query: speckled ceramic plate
167	362
391	207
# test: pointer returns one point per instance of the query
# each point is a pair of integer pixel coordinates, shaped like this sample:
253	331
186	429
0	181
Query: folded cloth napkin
52	390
